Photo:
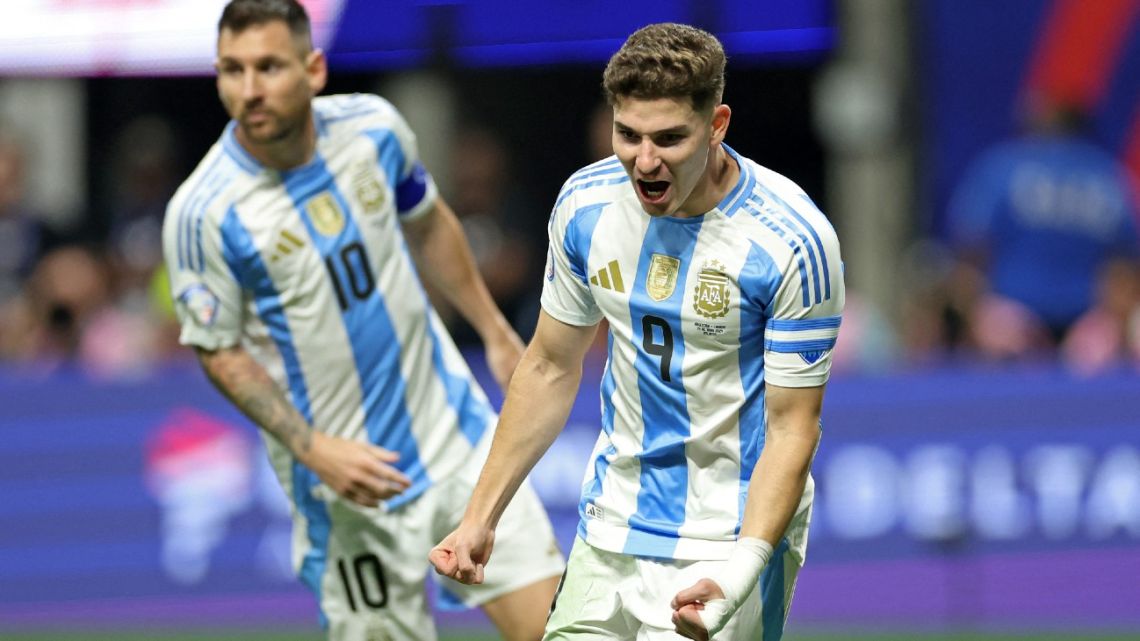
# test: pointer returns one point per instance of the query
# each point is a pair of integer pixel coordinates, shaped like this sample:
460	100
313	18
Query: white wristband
740	575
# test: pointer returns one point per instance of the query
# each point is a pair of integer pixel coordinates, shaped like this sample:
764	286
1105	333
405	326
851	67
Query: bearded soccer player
723	287
293	250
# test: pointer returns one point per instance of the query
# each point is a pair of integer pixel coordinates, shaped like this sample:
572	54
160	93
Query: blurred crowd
1038	264
83	296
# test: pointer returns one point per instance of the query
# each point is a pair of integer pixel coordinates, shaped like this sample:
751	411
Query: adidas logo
609	278
285	245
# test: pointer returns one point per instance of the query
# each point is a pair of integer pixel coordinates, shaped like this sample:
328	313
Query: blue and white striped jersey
702	312
309	270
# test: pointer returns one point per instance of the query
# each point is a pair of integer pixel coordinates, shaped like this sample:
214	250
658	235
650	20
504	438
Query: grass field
482	636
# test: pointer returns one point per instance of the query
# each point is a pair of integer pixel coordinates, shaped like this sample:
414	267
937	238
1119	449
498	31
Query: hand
463	553
688	604
359	472
503	356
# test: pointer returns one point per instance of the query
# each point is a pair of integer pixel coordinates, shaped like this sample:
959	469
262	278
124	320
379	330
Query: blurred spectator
66	316
23	237
1038	216
1108	334
146	169
505	230
144	176
65	291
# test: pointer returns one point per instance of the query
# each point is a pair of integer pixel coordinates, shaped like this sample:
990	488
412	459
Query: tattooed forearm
242	380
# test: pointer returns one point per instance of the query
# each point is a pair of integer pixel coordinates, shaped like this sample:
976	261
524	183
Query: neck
293	150
720	176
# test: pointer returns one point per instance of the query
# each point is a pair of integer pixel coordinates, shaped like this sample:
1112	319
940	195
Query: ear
721	115
317	70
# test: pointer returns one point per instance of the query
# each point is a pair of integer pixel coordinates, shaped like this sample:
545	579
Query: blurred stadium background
969	487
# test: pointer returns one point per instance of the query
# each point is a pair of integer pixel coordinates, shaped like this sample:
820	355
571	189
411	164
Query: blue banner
943	498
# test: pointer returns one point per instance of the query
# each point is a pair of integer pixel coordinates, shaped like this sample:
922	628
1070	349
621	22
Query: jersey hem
613	538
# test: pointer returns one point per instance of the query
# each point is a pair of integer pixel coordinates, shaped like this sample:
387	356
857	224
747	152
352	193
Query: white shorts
377	562
606	595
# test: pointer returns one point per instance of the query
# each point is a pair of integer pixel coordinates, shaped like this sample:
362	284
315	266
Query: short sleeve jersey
702	312
309	270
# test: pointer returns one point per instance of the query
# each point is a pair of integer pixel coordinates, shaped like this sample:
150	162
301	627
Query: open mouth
653	191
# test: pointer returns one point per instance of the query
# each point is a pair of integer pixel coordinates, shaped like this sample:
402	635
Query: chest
678	280
331	223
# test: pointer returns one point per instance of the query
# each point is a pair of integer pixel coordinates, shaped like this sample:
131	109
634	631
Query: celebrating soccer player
291	250
723	287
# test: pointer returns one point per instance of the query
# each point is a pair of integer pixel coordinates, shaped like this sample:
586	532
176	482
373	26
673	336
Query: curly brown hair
667	60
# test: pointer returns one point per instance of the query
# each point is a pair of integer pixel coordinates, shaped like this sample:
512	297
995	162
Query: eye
668	140
627	135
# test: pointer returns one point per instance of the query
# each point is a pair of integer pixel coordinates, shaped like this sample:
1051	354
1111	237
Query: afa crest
711	297
662	277
325	214
369	192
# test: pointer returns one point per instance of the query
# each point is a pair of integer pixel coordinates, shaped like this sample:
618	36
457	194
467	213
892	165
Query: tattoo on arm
247	385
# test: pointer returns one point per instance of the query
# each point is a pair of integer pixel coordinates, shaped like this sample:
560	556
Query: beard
272	128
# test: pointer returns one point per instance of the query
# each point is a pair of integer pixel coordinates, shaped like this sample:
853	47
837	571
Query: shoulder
596	184
784	211
208	189
356	112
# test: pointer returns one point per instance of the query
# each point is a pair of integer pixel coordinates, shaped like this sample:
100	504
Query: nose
647	161
250	86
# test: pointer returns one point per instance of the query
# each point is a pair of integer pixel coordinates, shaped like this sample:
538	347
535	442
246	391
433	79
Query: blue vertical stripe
664	410
245	261
389	154
579	237
375	348
473	413
593	488
772	588
472	410
576	244
759	281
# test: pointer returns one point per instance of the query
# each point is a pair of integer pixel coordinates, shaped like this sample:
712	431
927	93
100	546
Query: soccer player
293	250
722	284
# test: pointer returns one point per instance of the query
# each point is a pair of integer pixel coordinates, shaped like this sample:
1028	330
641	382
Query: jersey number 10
355	272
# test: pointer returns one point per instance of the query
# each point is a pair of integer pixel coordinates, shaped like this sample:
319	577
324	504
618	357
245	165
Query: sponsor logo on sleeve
201	303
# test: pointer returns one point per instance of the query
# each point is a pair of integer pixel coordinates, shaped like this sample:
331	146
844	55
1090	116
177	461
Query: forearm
780	474
536	408
440	248
778	483
248	386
